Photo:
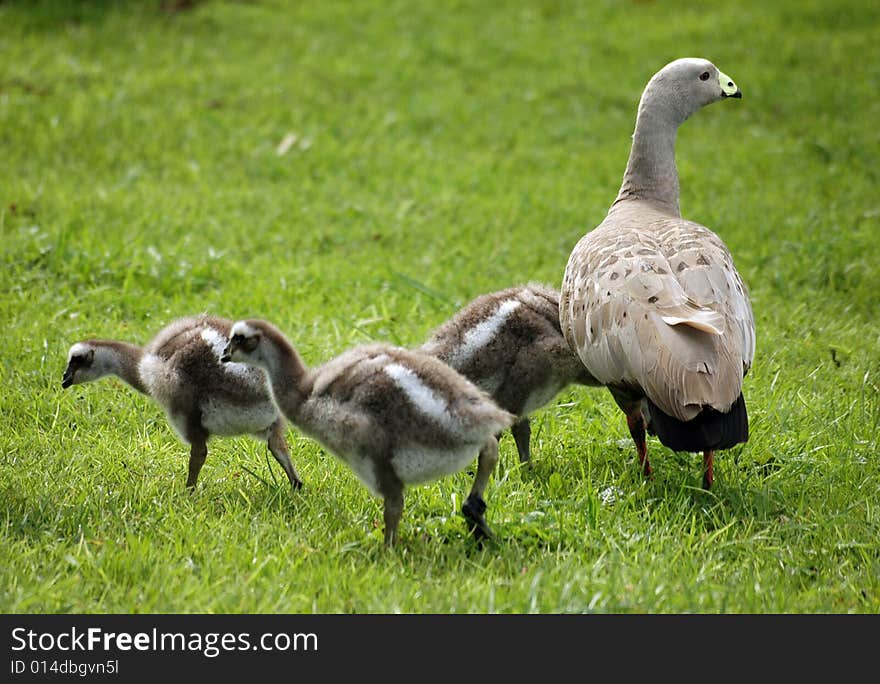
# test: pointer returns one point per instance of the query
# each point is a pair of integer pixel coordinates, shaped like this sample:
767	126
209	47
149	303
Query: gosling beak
728	87
67	380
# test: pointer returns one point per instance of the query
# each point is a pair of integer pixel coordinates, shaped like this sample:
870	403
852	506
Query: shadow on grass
277	498
445	531
757	503
49	15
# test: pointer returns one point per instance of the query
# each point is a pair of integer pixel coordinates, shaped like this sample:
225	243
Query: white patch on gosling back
481	334
217	342
422	396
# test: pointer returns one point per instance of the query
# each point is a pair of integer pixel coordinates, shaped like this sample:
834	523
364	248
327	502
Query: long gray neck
290	381
651	174
121	359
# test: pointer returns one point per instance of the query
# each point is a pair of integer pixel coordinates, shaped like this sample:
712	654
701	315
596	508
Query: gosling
510	344
395	416
180	368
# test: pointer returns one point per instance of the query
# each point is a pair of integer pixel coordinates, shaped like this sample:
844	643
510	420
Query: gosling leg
522	434
475	506
198	452
392	514
278	447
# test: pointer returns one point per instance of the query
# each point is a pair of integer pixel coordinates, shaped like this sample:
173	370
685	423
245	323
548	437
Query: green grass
441	152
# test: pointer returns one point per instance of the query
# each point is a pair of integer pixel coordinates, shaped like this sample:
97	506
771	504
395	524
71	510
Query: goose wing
654	302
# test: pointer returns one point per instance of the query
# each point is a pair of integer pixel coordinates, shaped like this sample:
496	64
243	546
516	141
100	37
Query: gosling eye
246	343
704	76
83	360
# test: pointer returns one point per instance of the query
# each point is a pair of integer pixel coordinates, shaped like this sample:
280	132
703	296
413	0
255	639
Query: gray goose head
684	86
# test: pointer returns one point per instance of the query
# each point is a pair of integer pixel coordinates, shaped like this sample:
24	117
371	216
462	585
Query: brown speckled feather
654	301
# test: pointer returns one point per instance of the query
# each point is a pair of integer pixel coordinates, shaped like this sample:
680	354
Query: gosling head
243	345
81	366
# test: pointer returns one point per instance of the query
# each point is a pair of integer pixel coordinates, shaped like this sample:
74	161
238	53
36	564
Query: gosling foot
473	509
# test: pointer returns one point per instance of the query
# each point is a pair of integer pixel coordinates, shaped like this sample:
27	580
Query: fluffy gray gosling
395	416
510	344
180	368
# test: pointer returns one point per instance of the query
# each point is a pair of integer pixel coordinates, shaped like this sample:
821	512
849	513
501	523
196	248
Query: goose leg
522	434
708	469
198	452
631	404
278	447
474	507
636	422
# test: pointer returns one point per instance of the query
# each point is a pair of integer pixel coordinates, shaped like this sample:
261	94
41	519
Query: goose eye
704	76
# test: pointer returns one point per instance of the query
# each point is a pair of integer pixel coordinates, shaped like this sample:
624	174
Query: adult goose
651	302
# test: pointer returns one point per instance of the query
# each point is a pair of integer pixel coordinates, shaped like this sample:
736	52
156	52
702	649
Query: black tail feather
710	430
